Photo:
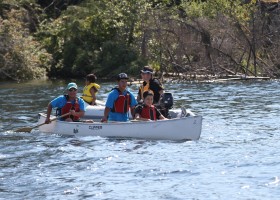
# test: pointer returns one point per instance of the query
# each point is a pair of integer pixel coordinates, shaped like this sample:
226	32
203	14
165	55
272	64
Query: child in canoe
147	111
90	90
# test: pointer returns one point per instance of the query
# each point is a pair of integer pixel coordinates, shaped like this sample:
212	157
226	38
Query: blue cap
72	85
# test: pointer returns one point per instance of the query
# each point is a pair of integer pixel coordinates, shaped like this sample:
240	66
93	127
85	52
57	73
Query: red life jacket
149	112
122	104
69	106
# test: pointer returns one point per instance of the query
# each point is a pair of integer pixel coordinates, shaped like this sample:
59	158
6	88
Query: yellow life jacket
144	89
86	92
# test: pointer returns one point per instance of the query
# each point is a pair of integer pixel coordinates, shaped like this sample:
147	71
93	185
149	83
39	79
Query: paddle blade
24	129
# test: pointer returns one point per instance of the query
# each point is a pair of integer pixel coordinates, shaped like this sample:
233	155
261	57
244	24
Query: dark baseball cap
122	76
147	70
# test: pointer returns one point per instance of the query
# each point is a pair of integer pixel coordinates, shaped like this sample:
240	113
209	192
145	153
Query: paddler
119	101
68	103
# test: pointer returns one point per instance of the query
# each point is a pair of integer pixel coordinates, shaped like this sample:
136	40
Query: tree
95	36
21	56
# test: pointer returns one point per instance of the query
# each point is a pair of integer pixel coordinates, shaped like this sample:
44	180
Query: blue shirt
112	97
60	101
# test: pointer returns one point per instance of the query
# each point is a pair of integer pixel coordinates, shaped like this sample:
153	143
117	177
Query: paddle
29	129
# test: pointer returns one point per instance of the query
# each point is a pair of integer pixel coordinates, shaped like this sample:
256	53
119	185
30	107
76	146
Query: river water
237	156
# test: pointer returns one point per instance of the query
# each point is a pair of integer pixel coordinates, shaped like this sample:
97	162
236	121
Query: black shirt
155	86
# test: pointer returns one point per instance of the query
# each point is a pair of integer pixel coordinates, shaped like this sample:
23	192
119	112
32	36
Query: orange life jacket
122	104
69	106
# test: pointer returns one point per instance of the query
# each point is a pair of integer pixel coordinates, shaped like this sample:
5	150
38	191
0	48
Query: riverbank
164	79
204	78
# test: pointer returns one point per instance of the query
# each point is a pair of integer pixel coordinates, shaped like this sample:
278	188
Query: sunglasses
72	89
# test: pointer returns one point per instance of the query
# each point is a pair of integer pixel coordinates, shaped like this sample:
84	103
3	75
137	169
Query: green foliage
75	37
211	9
23	57
115	57
97	36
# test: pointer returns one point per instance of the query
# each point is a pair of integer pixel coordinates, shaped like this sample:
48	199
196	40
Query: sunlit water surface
237	156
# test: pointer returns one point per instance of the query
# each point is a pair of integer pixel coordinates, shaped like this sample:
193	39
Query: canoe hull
186	128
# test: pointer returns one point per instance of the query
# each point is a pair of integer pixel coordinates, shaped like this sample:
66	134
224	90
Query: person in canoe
147	111
68	103
119	102
150	83
90	90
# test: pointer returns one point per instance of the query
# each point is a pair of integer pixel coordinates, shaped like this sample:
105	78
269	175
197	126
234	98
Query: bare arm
106	114
138	117
77	114
162	117
49	110
132	111
93	90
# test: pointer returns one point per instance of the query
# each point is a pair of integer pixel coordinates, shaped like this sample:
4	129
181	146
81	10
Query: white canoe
96	111
185	128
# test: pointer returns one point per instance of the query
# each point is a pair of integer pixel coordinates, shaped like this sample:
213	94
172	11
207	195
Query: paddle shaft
64	115
28	129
